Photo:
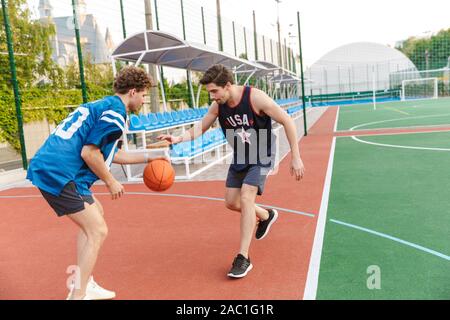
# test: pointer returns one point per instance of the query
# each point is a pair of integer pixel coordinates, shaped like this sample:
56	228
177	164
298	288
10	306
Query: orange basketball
159	175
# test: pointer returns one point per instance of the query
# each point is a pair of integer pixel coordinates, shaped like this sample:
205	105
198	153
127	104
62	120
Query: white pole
403	91
248	78
435	88
198	94
192	90
114	66
235	75
374	89
163	93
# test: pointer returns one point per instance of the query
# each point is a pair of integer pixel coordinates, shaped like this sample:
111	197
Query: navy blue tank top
249	134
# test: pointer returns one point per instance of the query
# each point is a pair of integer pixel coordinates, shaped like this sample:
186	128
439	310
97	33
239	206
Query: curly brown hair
217	74
132	78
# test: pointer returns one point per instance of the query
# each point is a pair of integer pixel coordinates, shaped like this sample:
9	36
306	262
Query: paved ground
9	159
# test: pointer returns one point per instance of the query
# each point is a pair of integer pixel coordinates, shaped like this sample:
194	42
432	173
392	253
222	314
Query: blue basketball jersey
59	161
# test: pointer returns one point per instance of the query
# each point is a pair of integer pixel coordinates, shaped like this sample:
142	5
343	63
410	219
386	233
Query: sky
328	24
325	24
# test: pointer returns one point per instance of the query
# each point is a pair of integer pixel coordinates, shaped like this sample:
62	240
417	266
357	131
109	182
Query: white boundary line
311	215
397	119
444	125
379	134
410	244
337	120
398	146
312	279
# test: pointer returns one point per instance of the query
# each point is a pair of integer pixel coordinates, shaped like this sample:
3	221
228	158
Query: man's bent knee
233	206
98	235
247	199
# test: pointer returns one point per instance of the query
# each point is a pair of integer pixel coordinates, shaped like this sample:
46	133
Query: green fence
61	62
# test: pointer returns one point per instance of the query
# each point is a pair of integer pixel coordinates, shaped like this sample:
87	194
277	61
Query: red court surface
171	247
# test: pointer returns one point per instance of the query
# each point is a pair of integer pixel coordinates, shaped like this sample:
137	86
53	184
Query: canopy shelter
261	68
254	68
161	48
283	85
164	49
285	79
287	82
275	76
273	68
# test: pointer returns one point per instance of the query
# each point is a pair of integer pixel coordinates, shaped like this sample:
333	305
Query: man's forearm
291	134
193	133
130	158
95	161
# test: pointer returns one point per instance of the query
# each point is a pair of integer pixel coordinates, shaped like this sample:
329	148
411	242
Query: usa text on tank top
249	134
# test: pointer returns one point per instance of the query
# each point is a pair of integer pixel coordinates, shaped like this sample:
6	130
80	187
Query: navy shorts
69	201
254	175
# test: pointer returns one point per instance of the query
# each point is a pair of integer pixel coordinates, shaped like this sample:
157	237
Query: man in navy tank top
245	115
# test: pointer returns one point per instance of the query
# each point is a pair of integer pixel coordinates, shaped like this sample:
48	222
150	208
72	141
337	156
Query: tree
97	76
243	56
32	47
428	53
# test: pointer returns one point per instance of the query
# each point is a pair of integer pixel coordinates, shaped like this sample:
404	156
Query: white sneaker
95	292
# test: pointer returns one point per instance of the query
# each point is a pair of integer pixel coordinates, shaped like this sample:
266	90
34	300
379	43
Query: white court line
407	243
437	126
311	215
312	279
337	120
377	134
397	119
396	110
399	146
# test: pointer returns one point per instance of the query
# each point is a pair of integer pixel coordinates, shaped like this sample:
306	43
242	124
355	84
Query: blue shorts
253	175
69	201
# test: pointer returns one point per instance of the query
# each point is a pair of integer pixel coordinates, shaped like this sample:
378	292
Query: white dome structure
357	67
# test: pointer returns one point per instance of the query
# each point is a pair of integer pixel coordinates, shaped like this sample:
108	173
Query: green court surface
395	114
389	207
433	140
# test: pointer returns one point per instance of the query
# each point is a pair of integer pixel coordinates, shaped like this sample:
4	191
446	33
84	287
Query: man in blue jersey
79	152
245	115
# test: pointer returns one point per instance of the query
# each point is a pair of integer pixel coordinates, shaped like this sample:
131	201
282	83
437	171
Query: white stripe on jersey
113	121
114	114
110	158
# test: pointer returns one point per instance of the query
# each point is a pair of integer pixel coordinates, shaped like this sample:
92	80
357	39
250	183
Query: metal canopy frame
164	49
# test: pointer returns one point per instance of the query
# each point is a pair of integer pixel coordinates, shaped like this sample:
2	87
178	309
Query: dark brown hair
217	74
132	78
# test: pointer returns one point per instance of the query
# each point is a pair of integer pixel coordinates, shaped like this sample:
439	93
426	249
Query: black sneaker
264	226
241	266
